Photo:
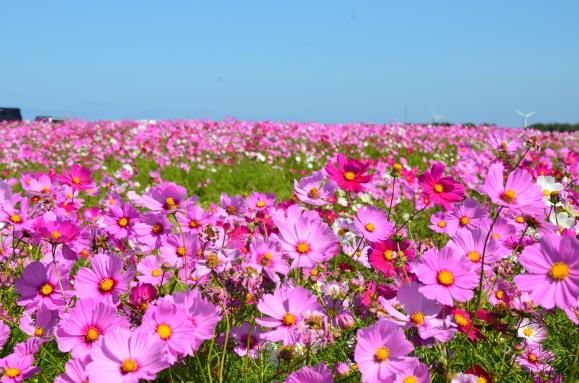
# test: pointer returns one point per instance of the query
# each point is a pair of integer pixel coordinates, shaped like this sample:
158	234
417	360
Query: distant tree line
555	127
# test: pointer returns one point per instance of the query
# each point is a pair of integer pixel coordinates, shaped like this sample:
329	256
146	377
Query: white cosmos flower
548	184
533	332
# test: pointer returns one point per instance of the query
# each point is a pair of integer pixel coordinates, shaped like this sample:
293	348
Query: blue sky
326	61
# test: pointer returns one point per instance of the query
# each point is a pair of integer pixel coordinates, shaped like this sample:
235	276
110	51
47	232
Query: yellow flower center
46	289
45	190
445	278
520	219
231	210
128	366
288	319
441	224
260	204
382	354
349	175
474	256
265	259
157	228
193	224
370	227
508	196
181	251
532	357
302	248
38	331
417	318
388	255
164	331
75	180
410	379
12	372
92	334
15	218
559	271
499	294
528	331
123	222
106	285
55	235
213	260
170	203
546	193
314	193
481	380
156	273
464	220
496	235
460	320
439	188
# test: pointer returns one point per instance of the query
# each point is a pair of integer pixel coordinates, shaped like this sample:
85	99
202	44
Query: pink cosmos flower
350	174
38	286
105	278
247	340
16	368
284	310
82	328
18	218
307	374
381	351
439	222
532	332
417	373
74	371
192	218
518	193
141	295
42	325
440	190
120	220
265	256
4	334
78	178
152	230
260	201
470	244
127	357
501	143
305	237
464	378
372	224
534	358
446	276
552	271
467	215
41	186
175	252
203	315
164	321
232	208
166	197
151	270
56	229
313	190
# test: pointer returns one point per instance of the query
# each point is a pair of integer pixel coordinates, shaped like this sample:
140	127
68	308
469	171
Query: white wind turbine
525	116
436	117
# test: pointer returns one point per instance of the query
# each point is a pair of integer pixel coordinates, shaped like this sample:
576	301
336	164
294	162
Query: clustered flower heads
344	282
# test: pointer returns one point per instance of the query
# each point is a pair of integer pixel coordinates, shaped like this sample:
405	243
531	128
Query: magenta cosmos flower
383	255
165	321
78	178
552	272
57	230
203	315
305	237
314	190
307	374
440	190
446	275
372	224
38	286
265	256
284	310
16	367
105	279
350	174
518	193
120	221
381	352
165	196
127	357
260	201
84	325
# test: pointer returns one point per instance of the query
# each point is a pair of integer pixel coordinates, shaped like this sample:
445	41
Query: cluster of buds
554	197
532	142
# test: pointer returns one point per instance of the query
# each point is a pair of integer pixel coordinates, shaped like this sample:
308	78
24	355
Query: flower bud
343	369
345	320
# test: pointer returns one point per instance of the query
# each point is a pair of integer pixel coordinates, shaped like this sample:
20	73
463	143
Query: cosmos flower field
236	251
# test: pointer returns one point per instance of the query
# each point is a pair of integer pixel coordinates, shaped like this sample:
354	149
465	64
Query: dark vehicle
10	114
48	119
